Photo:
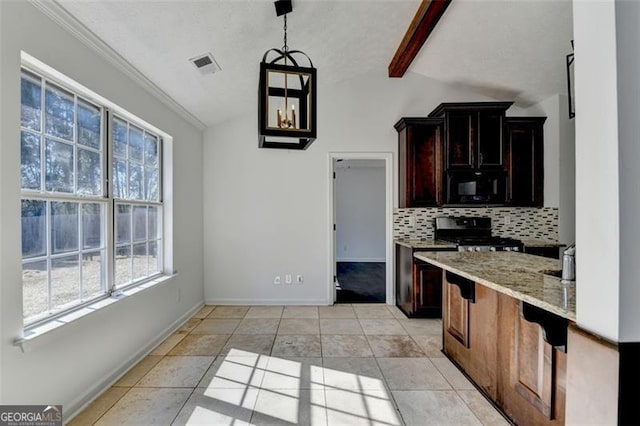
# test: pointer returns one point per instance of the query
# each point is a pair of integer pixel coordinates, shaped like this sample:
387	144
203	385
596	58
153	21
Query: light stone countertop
532	242
426	244
517	275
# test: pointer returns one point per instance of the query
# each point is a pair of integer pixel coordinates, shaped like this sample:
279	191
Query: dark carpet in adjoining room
361	282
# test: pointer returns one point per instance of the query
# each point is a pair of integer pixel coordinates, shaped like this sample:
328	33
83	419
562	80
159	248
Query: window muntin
66	227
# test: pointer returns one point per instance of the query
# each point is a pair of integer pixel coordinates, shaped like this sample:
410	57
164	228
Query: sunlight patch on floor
288	391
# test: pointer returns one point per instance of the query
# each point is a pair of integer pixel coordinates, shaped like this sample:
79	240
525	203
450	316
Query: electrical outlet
507	220
277	280
299	279
344	248
287	279
412	221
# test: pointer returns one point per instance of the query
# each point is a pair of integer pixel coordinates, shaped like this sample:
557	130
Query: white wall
71	363
567	174
559	161
597	165
628	61
360	210
267	209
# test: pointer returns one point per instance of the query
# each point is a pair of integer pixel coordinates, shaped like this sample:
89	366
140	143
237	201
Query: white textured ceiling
508	50
511	49
343	38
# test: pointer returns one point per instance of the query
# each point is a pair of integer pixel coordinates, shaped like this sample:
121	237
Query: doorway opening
361	215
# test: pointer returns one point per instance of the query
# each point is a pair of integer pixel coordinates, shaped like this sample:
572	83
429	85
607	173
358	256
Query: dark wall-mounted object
570	83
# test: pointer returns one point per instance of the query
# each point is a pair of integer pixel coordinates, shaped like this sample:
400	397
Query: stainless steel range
473	234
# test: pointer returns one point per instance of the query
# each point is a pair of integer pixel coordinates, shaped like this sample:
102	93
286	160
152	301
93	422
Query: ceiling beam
423	23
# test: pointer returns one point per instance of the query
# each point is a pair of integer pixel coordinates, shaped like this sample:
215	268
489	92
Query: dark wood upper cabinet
524	160
473	134
420	161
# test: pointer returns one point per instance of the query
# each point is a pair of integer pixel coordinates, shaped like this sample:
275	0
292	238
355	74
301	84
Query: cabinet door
420	164
490	153
525	161
532	366
461	139
427	281
532	372
456	315
404	279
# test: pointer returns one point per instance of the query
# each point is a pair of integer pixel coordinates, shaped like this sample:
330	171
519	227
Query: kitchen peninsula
505	325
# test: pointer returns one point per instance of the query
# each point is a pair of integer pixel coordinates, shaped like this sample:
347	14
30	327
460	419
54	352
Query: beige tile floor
308	365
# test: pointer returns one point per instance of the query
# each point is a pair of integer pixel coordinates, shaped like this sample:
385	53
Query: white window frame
107	111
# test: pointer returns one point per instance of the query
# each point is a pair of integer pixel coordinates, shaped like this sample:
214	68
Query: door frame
389	204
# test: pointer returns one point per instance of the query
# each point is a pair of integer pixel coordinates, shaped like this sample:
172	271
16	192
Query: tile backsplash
514	222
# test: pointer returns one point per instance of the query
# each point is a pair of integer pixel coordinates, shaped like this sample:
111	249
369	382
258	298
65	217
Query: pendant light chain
285	48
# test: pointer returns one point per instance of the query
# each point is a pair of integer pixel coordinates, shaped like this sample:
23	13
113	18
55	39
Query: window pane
35	291
30	111
123	265
33	228
139	223
30	166
135	182
59	112
92	225
120	138
153	223
120	179
59	166
150	150
135	144
139	261
92	273
65	281
123	223
64	227
154	258
88	125
89	172
151	184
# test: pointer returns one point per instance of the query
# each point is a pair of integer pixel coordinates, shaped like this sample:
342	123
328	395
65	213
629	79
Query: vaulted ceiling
511	49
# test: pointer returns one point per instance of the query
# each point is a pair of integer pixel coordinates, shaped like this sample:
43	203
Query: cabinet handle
480	158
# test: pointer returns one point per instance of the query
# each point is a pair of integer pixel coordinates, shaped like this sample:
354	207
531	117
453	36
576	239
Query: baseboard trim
267	302
365	260
103	385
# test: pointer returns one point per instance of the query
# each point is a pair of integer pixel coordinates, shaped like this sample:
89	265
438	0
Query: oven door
476	187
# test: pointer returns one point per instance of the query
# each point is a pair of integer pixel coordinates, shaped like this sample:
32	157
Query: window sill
34	335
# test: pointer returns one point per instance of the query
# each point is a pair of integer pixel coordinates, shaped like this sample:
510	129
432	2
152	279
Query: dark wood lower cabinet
427	290
504	354
418	285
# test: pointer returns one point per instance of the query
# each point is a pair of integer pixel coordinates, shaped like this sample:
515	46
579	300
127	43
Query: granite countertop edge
425	244
505	289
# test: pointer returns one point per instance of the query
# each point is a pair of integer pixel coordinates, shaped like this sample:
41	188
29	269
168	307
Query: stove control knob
469	248
515	249
507	249
492	249
478	249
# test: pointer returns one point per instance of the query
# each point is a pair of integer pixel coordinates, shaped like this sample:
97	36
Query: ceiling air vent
205	64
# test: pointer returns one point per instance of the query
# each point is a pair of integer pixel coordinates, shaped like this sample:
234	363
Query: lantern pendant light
287	95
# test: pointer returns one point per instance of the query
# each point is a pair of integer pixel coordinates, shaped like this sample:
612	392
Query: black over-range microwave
476	187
